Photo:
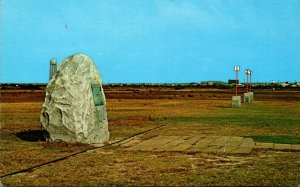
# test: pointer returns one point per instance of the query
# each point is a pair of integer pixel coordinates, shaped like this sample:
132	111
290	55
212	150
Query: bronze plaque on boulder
97	94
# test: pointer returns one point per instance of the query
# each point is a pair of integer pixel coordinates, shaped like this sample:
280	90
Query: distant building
203	83
284	84
232	81
212	83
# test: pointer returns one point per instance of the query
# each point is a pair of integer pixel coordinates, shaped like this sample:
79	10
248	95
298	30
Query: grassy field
262	121
274	120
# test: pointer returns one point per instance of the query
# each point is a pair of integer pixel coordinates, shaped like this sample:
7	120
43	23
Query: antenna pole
236	69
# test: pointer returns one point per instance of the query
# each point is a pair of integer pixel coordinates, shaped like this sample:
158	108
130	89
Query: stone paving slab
209	149
264	145
276	146
188	143
227	149
153	143
221	141
296	147
282	146
209	144
206	144
234	141
173	143
243	150
247	142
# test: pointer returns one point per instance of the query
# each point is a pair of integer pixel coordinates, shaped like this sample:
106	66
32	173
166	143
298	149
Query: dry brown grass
20	116
115	167
140	115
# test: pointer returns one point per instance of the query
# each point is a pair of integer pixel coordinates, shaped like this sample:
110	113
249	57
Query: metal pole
236	69
250	80
236	83
247	83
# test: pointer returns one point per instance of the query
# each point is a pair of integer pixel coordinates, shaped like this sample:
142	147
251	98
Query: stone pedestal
247	98
236	101
75	107
251	95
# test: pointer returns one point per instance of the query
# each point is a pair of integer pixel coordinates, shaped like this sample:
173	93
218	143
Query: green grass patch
277	139
261	119
253	115
256	121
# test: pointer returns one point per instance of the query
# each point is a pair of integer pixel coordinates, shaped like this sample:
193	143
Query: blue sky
152	40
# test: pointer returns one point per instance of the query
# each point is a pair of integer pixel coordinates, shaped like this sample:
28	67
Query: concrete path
276	146
211	144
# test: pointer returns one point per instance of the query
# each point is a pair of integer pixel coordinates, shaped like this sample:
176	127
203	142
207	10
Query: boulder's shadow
33	135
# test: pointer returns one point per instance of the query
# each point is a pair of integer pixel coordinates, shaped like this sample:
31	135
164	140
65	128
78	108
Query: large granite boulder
75	105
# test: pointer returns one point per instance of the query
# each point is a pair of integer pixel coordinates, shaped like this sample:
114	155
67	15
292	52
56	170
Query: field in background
273	117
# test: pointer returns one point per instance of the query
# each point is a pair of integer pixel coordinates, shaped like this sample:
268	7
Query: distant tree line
202	84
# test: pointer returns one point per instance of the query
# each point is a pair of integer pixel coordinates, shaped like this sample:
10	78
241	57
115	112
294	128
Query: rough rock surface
75	105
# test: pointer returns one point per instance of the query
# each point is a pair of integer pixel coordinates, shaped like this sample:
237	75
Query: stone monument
75	107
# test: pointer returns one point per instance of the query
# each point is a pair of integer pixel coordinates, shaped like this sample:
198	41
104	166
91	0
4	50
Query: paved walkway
212	144
276	146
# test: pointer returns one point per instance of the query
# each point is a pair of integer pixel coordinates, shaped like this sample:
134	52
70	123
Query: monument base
247	98
236	101
251	96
